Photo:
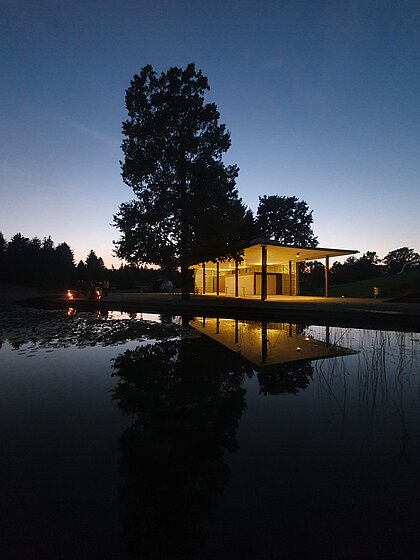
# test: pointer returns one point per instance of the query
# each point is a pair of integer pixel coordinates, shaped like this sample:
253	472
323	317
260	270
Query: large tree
187	208
285	219
395	260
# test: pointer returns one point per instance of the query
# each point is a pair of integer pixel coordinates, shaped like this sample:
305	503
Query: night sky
322	100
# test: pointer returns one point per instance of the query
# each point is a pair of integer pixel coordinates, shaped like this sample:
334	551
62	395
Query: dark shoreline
364	314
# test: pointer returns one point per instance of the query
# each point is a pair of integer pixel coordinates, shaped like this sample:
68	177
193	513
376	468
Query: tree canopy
354	269
395	260
285	219
187	208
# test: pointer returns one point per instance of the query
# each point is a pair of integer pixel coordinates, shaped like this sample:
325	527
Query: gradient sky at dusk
321	99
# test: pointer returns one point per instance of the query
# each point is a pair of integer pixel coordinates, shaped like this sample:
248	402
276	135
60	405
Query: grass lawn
390	286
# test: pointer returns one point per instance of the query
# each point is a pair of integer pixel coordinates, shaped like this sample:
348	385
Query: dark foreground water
124	438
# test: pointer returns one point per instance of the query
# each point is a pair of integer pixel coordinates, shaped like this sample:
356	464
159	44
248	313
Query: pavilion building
266	268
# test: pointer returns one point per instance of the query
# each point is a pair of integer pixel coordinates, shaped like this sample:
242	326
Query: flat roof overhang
277	254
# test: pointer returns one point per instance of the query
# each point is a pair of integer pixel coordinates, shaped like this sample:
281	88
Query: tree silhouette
287	378
32	262
312	275
285	219
95	267
16	254
186	398
395	260
187	208
64	264
353	269
3	245
47	259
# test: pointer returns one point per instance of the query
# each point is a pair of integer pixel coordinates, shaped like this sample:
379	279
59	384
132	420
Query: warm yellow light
70	294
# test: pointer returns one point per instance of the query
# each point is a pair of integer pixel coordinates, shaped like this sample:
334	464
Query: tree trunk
185	284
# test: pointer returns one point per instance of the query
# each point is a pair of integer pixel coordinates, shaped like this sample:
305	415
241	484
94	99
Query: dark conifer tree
16	255
95	267
32	262
3	246
64	265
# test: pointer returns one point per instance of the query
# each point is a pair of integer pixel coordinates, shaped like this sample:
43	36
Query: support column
236	331
204	278
327	270
236	278
290	279
217	278
264	341
263	272
297	280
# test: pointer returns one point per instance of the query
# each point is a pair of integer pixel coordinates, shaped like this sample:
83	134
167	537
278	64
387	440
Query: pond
159	437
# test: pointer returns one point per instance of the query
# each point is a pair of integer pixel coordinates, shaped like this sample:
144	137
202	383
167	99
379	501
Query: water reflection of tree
186	397
287	378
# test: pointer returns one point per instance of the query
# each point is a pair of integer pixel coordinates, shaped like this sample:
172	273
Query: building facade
266	268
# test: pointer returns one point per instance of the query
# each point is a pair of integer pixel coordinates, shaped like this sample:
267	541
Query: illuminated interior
266	269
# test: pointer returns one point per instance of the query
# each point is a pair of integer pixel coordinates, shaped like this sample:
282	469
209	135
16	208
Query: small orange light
70	294
98	294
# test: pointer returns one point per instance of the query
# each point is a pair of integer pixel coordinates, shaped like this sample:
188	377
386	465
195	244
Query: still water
132	436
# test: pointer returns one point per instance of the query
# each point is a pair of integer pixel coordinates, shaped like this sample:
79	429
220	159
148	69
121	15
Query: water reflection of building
268	343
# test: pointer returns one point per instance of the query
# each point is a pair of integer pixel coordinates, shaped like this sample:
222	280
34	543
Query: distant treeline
353	269
41	263
35	262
